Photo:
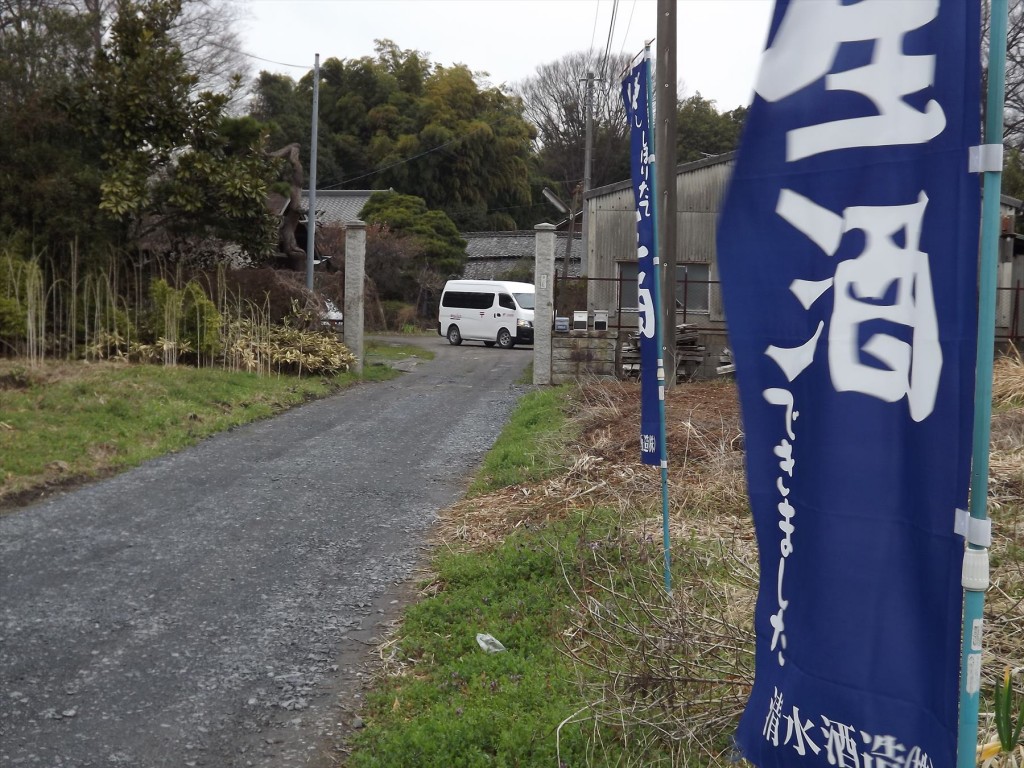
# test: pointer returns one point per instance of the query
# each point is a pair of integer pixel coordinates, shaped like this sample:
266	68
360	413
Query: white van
492	311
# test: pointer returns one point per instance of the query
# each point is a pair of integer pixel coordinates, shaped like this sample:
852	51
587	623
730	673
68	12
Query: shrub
185	316
20	295
263	348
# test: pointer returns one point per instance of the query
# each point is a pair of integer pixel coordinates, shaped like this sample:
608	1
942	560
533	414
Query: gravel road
212	607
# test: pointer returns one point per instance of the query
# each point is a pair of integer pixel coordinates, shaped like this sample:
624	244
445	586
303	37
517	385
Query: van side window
505	301
467	300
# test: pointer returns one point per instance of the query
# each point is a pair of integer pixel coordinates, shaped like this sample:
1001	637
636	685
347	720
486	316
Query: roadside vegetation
64	422
556	552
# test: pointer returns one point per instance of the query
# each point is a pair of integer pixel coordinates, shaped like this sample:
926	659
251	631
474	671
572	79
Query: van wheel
454	337
505	340
488	343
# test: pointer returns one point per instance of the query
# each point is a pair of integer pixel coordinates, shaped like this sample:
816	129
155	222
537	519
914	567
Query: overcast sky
719	41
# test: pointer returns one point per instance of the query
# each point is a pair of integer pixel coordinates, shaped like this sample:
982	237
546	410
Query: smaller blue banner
635	92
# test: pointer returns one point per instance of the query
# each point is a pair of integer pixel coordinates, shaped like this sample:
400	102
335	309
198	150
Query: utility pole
588	162
665	158
311	215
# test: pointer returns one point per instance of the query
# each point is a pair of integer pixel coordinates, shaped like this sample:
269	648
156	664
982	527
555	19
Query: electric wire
240	52
611	32
629	24
406	160
593	34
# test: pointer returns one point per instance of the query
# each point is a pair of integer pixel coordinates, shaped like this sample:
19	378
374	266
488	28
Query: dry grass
1004	603
673	671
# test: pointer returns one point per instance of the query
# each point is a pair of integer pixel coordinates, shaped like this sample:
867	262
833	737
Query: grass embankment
557	553
443	701
65	422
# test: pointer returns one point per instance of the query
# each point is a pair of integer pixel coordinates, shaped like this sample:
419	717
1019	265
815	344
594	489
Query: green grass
449	704
527	449
527	378
459	706
396	351
63	421
453	704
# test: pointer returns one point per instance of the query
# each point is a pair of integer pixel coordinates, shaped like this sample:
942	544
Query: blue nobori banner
848	254
635	91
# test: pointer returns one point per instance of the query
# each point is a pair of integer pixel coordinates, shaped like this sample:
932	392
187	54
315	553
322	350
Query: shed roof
339	206
492	253
680	169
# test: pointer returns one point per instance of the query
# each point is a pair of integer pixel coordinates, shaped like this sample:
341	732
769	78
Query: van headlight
524	323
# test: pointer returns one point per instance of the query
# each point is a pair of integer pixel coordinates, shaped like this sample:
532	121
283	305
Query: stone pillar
544	313
355	271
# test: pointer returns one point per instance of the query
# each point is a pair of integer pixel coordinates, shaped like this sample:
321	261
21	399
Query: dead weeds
675	669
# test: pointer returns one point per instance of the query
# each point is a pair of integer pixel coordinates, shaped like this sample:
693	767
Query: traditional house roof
338	206
491	254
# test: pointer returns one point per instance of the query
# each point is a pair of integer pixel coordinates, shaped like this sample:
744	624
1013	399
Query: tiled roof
338	206
492	253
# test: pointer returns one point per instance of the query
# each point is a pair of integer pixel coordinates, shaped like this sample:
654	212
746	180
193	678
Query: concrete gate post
355	271
544	314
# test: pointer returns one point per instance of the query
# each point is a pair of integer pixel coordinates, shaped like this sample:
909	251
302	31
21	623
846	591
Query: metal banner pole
658	336
311	216
975	569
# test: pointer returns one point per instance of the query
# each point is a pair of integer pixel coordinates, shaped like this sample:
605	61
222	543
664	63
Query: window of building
692	287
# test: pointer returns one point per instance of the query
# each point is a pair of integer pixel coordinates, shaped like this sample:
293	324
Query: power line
239	51
629	24
611	31
406	160
597	13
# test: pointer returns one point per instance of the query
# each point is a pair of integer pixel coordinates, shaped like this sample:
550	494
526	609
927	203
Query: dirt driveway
210	608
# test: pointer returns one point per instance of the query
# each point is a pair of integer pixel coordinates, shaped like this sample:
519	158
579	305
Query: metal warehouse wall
700	187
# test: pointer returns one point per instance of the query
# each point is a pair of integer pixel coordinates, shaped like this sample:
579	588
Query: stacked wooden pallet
689	353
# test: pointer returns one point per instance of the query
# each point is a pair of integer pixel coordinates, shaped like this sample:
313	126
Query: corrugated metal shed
700	187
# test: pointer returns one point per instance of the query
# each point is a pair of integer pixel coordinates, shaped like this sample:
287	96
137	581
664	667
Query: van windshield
525	300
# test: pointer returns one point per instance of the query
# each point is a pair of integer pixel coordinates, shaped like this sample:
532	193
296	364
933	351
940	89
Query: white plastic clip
977	532
985	158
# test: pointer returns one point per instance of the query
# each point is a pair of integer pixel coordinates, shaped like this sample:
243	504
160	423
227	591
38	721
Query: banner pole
658	336
975	573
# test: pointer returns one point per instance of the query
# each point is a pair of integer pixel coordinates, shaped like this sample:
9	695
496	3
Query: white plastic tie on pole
985	158
973	684
977	531
975	572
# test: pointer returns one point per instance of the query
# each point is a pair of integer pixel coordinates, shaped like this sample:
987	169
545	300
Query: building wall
577	355
700	188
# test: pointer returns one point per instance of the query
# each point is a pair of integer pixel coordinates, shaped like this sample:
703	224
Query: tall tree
441	247
554	101
205	30
47	169
395	120
104	121
165	161
1013	113
701	131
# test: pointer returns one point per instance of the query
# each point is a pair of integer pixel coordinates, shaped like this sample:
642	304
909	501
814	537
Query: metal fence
699	304
1010	314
